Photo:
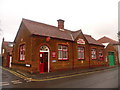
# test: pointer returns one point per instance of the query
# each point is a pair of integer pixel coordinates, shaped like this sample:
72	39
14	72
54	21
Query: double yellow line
15	73
48	79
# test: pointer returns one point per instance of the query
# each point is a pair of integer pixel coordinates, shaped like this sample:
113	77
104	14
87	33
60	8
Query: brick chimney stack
3	39
60	24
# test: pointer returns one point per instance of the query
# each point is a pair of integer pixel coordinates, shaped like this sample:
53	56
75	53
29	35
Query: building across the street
119	44
40	48
6	53
111	50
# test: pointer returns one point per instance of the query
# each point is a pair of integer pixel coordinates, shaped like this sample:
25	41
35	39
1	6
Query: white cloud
95	17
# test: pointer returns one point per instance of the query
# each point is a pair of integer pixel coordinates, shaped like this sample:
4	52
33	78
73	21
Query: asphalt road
101	79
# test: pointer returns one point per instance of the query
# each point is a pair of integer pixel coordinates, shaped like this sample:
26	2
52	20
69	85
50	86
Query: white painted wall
10	61
119	53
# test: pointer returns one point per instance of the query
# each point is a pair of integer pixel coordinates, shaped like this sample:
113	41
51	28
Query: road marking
15	73
30	79
4	83
16	82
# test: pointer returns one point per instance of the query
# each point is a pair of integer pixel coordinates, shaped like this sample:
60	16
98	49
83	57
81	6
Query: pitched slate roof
91	40
47	30
107	40
42	29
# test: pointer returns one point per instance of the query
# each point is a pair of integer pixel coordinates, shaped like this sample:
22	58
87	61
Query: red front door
8	61
43	62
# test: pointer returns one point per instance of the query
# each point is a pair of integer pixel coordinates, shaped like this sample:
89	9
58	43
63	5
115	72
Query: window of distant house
93	53
100	54
22	52
62	52
3	51
81	53
10	45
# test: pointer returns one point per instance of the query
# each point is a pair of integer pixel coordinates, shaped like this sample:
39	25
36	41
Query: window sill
63	60
21	60
81	59
94	59
100	60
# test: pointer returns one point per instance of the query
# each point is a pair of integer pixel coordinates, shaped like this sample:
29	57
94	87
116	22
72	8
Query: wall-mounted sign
81	61
21	39
48	39
80	41
27	65
40	55
53	54
53	60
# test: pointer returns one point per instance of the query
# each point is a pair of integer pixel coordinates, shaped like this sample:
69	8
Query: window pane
23	57
20	57
93	52
81	49
78	48
59	54
65	55
80	52
60	47
101	55
20	48
78	55
22	52
82	55
62	52
64	47
23	47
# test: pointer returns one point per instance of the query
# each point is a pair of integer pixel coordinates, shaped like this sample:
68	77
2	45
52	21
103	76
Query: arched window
44	48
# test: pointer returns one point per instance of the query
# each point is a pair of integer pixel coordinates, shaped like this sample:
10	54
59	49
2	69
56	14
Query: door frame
110	59
10	61
48	59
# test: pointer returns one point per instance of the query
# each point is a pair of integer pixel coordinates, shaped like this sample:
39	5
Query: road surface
101	79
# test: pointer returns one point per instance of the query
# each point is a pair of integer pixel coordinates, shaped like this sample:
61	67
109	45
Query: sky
97	18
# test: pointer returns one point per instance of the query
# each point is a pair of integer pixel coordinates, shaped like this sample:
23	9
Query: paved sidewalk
61	73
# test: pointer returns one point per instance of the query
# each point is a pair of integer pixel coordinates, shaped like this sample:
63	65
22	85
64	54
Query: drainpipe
73	55
118	53
89	55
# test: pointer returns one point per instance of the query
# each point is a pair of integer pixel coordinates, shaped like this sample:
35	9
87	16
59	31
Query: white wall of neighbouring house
119	53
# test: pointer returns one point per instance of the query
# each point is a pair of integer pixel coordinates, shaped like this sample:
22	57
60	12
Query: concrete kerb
77	72
29	79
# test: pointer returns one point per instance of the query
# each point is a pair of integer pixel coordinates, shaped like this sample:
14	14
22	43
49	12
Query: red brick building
45	48
6	52
111	50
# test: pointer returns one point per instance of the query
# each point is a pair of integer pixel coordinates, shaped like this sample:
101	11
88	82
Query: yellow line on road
60	77
15	73
48	79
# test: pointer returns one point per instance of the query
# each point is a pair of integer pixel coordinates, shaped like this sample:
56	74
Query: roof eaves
97	44
52	37
72	36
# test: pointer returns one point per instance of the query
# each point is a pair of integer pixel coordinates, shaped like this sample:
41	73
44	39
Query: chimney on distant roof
60	24
3	39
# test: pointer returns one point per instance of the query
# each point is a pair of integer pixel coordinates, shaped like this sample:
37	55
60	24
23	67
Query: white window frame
94	52
63	50
22	50
81	51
